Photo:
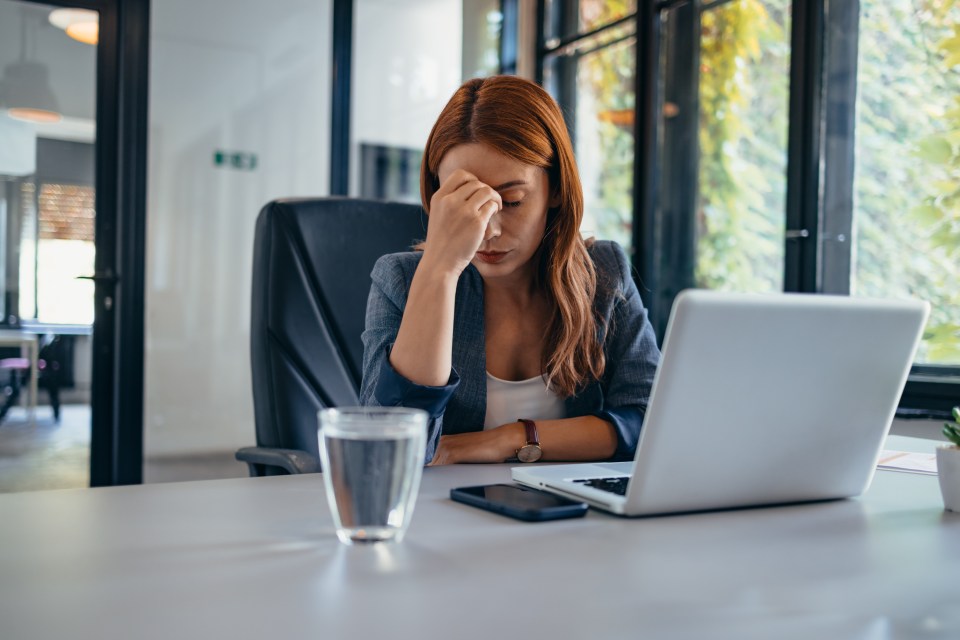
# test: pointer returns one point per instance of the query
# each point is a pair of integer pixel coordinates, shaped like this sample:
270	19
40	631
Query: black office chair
311	276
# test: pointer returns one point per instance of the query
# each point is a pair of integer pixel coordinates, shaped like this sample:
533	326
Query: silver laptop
758	400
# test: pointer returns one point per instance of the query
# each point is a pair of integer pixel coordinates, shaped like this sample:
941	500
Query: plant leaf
935	149
952	433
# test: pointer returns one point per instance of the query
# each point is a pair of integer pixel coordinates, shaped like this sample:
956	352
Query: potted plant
948	464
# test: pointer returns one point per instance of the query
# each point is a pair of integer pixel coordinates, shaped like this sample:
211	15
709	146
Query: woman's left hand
493	445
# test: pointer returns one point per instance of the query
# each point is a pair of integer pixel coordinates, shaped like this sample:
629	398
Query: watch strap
531	430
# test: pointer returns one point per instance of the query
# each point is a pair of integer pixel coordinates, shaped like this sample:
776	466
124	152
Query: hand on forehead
491	167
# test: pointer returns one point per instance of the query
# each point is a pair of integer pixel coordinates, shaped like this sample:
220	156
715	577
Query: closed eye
513	204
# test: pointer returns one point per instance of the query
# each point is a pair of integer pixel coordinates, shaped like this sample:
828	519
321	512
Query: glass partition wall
239	116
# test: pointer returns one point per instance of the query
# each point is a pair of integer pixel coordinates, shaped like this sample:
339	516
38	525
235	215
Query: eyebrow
512	183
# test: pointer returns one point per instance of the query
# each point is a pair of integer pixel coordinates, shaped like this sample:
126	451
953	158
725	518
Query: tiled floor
57	456
48	455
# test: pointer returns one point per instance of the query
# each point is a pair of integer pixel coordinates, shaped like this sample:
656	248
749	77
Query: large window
906	212
776	146
742	176
65	253
590	60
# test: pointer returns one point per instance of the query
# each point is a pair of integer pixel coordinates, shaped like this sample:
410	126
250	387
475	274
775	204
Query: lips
491	257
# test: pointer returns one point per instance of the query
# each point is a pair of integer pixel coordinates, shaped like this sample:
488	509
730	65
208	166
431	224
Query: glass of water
372	462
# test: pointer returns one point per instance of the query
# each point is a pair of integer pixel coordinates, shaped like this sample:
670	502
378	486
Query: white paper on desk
910	462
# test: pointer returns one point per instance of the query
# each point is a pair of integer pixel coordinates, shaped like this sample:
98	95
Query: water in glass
372	463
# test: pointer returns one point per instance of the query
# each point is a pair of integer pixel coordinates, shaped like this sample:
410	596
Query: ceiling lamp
26	93
82	25
25	89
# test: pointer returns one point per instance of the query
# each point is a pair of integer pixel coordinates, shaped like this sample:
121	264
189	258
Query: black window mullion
839	152
565	18
541	39
340	92
509	9
674	242
802	255
646	175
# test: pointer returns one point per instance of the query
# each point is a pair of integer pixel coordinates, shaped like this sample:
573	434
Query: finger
487	211
468	189
466	184
455	181
483	195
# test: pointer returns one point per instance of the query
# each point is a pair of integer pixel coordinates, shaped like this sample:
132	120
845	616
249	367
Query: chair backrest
311	277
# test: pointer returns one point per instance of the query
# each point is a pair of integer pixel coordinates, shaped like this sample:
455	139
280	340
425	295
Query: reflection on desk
253	557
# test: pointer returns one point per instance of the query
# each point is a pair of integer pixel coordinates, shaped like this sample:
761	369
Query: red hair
520	120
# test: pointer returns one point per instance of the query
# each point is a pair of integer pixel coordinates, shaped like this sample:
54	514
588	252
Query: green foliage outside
744	95
907	184
907	210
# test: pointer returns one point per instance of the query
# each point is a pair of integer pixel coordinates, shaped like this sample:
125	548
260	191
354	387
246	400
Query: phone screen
522	503
517	497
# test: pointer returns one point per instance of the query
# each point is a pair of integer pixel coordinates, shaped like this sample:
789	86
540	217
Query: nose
493	227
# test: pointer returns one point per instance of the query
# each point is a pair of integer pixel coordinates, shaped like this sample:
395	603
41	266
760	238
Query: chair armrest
292	461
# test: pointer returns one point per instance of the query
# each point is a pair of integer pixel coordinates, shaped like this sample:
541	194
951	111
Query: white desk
27	342
257	558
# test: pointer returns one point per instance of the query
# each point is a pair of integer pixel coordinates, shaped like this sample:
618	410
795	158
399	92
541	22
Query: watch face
529	453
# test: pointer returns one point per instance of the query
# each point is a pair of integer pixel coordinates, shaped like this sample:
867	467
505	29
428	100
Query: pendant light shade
25	93
25	87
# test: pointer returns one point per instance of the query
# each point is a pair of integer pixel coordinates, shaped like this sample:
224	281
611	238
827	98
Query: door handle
109	277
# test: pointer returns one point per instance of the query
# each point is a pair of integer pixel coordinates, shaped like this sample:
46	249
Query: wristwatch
530	452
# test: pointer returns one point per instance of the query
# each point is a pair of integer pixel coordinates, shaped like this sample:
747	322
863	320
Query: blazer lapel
469	356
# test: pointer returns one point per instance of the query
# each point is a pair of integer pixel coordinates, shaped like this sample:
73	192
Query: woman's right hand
460	211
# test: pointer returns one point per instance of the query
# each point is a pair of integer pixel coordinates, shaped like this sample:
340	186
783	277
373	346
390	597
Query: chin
505	269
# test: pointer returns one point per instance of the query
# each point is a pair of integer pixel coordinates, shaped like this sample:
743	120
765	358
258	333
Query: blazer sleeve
382	385
632	360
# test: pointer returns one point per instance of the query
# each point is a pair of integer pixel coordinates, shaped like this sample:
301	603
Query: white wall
244	77
407	64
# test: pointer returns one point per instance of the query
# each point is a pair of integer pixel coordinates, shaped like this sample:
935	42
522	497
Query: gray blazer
620	397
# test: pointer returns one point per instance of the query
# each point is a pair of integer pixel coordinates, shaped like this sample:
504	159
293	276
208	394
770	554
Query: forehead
488	164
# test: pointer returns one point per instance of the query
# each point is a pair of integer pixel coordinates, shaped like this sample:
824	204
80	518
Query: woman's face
515	233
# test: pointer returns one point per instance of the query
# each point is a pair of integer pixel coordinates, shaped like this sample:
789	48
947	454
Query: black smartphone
518	502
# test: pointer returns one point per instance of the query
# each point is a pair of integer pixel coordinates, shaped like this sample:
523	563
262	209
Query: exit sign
235	160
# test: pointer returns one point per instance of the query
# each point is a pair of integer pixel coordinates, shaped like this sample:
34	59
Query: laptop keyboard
613	485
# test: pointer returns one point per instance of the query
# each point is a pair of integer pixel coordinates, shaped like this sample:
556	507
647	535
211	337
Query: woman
517	337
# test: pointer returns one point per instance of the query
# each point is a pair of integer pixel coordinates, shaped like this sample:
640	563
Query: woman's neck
515	293
519	288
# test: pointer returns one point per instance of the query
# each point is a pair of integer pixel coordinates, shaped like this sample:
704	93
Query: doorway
71	193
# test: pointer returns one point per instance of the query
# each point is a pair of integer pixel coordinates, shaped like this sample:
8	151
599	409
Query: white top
507	401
